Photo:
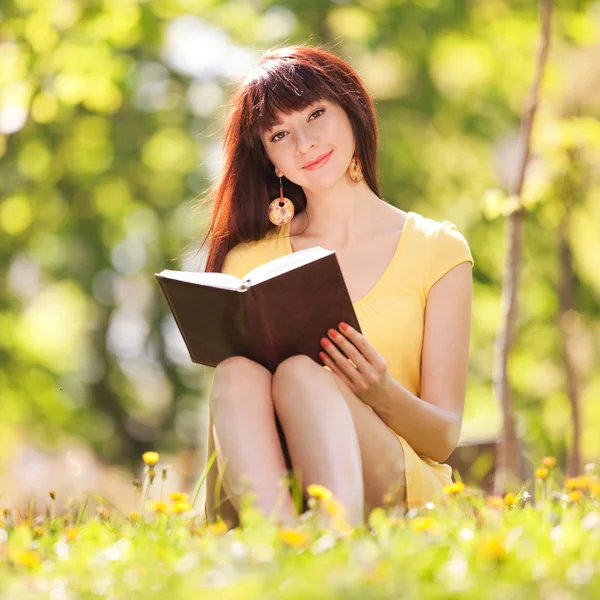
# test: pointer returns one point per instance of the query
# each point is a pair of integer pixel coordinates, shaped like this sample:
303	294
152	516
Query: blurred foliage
110	120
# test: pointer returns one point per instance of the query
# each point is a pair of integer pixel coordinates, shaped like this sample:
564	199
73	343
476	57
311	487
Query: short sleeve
450	249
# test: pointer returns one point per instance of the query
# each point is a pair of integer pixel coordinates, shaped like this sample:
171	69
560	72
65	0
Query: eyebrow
279	123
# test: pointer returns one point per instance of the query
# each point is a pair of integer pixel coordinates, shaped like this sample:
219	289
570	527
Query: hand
359	365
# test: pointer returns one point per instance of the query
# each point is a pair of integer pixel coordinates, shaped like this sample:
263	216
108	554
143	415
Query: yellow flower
135	516
52	494
178	497
151	458
332	506
549	462
510	500
181	507
595	488
71	533
583	482
293	537
454	488
39	531
318	491
495	501
575	496
422	523
218	528
388	498
158	506
338	522
492	546
541	473
26	558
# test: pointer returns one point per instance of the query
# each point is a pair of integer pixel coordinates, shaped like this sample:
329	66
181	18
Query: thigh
381	452
231	380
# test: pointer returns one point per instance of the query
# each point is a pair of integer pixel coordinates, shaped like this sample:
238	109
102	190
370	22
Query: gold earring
355	169
281	210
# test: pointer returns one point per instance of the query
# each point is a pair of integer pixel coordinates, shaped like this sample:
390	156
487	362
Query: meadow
542	542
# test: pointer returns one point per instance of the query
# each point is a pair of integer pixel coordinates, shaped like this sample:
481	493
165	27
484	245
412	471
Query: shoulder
440	234
245	256
443	247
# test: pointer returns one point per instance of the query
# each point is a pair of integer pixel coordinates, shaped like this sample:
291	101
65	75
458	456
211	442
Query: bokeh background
111	121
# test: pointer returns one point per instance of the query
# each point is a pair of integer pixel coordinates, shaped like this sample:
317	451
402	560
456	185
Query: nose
305	143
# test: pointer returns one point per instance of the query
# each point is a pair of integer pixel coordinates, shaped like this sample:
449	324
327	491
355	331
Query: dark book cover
267	321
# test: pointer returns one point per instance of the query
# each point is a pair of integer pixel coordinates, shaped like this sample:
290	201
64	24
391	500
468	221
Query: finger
361	344
350	350
341	361
335	369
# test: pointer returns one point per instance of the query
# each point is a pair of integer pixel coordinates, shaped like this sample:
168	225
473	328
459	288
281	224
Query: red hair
286	79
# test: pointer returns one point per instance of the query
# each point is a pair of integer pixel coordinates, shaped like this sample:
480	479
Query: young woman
383	411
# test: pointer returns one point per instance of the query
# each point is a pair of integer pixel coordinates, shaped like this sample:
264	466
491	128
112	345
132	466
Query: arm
431	424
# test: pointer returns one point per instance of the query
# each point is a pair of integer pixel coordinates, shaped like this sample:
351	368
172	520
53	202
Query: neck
342	214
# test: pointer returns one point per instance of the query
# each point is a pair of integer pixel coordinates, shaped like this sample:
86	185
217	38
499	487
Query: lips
323	158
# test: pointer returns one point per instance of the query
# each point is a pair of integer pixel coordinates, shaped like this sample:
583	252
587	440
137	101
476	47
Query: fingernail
322	355
343	326
333	333
325	342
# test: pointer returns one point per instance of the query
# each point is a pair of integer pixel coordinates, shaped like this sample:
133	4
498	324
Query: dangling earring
281	210
355	169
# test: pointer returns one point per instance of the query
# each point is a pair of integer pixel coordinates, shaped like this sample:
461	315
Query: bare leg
321	435
245	436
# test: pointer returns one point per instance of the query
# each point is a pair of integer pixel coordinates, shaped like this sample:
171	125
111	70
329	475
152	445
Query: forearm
430	430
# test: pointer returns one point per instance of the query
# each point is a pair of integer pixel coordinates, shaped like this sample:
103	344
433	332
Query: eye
276	139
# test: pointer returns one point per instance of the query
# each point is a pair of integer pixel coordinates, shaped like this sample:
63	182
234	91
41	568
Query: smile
322	162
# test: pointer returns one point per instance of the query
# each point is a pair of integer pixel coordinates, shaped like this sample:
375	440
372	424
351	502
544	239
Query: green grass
468	546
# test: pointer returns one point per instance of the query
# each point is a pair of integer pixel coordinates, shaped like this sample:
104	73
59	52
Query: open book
279	309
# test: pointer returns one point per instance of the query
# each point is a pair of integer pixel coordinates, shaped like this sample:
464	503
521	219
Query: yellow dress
391	315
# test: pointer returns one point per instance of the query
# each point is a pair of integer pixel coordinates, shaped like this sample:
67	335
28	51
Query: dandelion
422	523
218	528
39	531
52	494
178	497
332	506
583	482
492	546
157	506
510	500
575	496
135	516
338	522
293	537
181	507
151	458
71	533
541	473
495	501
26	558
454	488
549	462
318	491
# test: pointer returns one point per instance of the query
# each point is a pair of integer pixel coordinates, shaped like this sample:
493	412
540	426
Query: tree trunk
509	459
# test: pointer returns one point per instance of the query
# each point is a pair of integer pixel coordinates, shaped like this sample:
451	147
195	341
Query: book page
219	280
285	263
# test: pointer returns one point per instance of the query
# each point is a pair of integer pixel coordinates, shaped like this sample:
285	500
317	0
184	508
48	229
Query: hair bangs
283	88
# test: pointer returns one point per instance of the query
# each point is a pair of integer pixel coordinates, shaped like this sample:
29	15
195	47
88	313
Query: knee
296	370
234	376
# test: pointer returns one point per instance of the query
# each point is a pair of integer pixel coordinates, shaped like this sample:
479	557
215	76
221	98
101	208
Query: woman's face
306	135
